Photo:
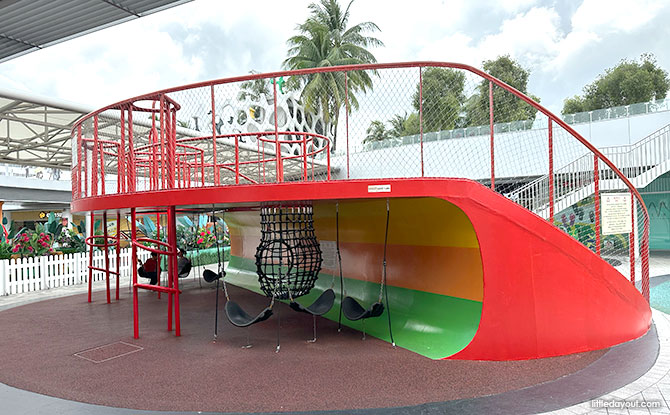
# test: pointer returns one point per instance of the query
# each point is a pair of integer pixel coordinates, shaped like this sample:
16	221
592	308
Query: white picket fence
42	273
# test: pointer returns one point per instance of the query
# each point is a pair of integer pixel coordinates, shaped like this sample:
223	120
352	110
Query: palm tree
398	125
325	40
254	89
376	132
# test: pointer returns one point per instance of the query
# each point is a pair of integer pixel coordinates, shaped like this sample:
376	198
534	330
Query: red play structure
507	231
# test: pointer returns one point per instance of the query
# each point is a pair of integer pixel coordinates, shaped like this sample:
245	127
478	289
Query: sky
565	44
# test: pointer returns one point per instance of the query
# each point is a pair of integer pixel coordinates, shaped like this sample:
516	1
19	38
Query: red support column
163	143
280	165
346	113
90	259
94	159
121	157
132	186
551	174
216	167
133	237
106	246
158	256
118	253
304	157
173	280
596	182
644	256
78	166
493	167
631	239
102	169
237	159
421	114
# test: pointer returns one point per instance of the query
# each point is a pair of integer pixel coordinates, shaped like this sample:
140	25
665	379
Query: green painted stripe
433	325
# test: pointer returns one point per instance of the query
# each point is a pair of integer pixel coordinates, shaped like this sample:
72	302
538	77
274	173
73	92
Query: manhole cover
108	352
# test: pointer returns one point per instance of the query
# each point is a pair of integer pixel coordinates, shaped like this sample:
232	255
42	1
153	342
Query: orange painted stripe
432	245
456	272
413	221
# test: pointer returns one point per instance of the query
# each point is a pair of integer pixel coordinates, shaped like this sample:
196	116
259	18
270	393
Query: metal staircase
641	163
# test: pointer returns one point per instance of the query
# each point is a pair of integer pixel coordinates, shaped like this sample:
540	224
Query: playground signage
616	213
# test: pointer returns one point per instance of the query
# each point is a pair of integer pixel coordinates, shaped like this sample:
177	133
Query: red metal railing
155	153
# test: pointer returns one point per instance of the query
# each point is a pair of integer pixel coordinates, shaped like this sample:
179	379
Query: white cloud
603	16
530	37
208	39
514	6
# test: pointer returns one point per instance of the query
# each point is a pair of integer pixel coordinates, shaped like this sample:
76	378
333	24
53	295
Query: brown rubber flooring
66	348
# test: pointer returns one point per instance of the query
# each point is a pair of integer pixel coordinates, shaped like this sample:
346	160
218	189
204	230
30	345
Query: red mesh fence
376	121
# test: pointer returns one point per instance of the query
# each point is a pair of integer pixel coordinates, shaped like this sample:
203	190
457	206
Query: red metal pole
173	269
421	114
105	234
216	168
596	206
631	239
173	143
644	256
133	237
79	173
346	113
551	173
258	156
280	166
121	158
118	252
131	154
328	162
90	259
237	159
304	157
85	167
158	256
94	161
493	167
162	140
102	168
202	168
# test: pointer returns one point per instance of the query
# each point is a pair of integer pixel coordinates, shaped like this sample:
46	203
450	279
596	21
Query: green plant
71	241
33	243
5	250
53	226
12	231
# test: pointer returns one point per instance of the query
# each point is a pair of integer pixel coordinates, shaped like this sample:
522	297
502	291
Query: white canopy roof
35	131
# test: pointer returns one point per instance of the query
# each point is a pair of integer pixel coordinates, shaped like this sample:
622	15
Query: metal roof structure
30	25
35	131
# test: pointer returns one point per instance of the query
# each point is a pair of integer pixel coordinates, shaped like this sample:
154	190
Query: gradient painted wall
434	268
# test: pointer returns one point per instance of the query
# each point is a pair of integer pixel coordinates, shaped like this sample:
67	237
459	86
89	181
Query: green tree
254	89
376	132
442	98
627	83
506	106
398	125
324	40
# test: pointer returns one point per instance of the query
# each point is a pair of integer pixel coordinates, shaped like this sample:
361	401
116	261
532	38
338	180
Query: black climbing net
288	258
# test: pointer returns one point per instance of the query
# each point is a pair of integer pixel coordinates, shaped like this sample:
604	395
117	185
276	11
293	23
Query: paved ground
652	388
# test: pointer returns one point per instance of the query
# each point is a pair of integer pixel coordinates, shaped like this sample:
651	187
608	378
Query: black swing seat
186	269
354	311
210	276
241	318
320	306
